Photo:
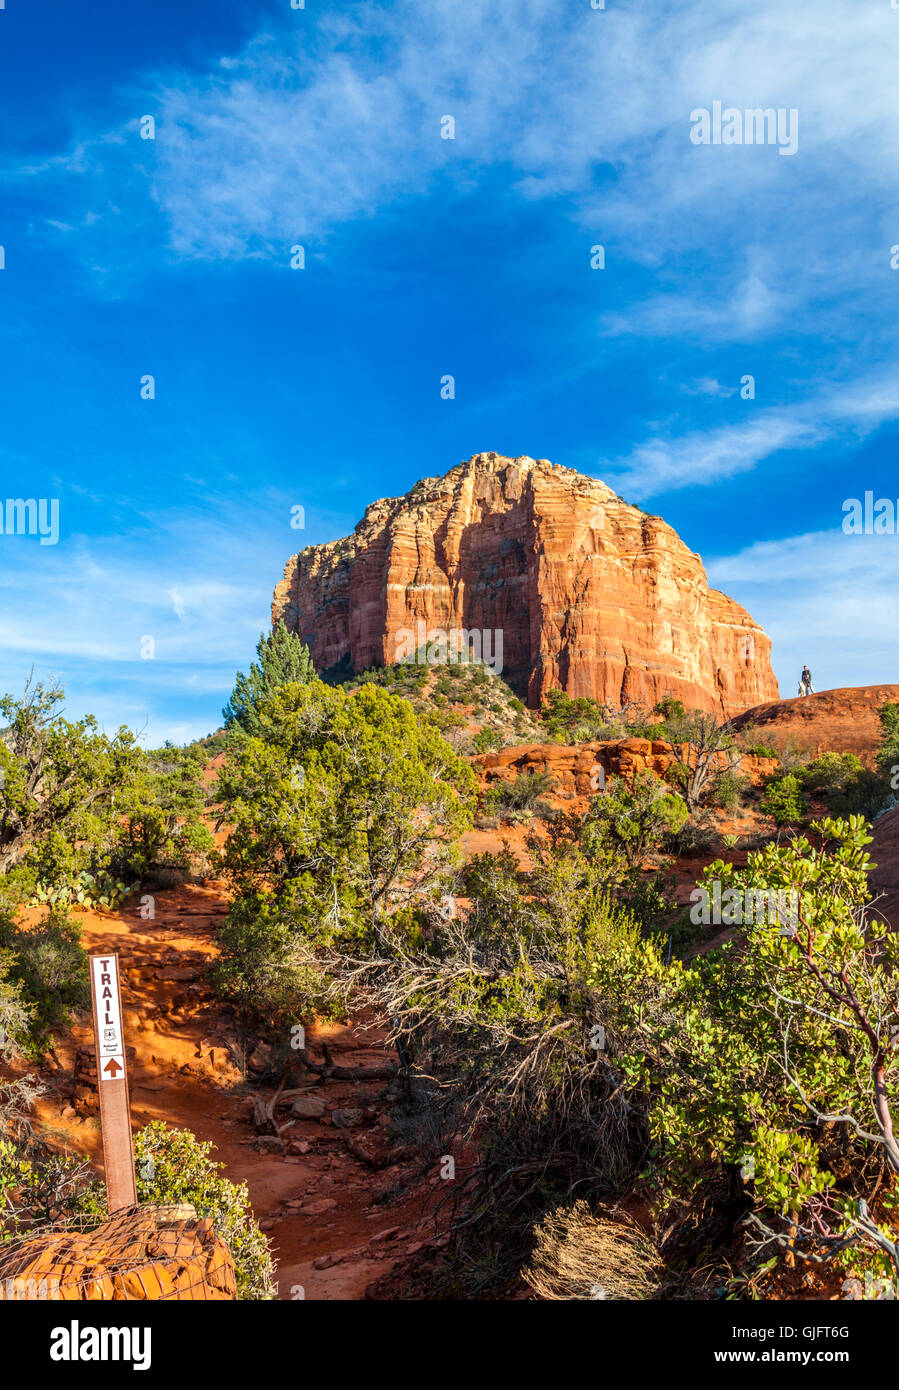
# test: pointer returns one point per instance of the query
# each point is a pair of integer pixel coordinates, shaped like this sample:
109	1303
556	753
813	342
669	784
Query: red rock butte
591	595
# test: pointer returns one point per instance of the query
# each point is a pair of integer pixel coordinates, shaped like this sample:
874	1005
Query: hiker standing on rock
805	682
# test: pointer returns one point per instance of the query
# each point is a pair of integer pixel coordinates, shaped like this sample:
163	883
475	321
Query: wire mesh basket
143	1252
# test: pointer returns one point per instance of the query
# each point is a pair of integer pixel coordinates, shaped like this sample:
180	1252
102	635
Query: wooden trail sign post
112	1083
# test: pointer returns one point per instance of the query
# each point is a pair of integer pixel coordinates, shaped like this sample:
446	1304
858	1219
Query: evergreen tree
283	658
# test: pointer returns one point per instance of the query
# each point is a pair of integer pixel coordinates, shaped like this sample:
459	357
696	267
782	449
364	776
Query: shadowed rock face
591	595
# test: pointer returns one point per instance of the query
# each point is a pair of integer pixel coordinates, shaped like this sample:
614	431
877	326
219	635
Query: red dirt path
186	1073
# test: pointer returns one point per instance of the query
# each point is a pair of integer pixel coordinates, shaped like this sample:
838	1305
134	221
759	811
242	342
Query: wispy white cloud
337	117
707	386
824	598
83	609
750	310
705	457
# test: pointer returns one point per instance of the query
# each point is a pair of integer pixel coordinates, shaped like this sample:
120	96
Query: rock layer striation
585	592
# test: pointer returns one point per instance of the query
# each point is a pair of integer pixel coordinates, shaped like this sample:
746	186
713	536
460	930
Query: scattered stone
260	1059
349	1117
381	1237
307	1108
324	1262
319	1207
298	1146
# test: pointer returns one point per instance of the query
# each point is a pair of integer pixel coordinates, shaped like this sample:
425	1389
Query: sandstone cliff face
590	595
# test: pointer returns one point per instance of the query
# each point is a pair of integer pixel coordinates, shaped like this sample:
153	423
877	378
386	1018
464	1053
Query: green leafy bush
49	964
815	989
58	787
784	800
760	750
634	815
344	813
174	1166
487	740
888	748
511	1019
160	825
263	967
579	719
728	790
848	787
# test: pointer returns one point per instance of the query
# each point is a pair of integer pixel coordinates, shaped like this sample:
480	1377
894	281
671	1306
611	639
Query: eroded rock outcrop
839	721
573	768
590	594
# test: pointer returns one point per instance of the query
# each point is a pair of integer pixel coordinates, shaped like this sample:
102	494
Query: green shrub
848	787
349	805
818	993
39	1184
760	750
671	710
784	800
888	749
58	786
263	969
830	770
521	795
160	825
865	794
49	964
728	790
174	1166
513	1015
633	816
487	740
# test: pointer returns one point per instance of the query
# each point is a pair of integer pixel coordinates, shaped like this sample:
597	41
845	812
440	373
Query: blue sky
320	388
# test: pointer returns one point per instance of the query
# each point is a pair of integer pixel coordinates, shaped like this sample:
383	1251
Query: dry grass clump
580	1255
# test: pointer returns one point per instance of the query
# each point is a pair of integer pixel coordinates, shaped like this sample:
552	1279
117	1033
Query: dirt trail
318	1207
